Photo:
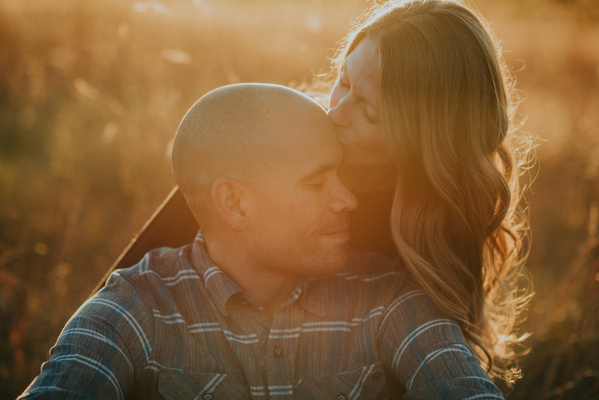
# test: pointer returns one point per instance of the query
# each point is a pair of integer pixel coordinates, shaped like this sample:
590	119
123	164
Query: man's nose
344	199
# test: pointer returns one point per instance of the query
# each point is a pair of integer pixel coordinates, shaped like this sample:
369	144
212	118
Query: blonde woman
424	109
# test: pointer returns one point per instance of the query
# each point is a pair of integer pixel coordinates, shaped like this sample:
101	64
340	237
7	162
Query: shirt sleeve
428	354
99	349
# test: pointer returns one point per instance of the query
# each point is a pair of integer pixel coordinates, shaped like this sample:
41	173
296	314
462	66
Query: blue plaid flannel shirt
174	326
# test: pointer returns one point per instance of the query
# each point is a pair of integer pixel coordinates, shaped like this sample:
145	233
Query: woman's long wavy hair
447	115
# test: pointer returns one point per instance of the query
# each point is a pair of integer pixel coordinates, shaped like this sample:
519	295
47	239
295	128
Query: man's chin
326	257
362	176
337	262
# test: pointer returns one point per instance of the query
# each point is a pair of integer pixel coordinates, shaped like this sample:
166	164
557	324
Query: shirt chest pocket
368	382
178	384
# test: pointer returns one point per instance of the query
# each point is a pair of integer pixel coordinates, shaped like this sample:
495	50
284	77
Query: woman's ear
227	196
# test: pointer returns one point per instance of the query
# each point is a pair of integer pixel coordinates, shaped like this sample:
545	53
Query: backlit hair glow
447	115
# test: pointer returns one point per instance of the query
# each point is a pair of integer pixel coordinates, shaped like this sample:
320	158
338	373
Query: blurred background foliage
91	94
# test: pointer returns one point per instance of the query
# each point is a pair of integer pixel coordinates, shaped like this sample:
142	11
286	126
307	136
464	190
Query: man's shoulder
158	267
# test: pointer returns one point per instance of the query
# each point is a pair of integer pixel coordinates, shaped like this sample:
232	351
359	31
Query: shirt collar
318	295
220	287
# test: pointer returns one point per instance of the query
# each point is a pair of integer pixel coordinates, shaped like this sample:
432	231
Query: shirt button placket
375	375
277	354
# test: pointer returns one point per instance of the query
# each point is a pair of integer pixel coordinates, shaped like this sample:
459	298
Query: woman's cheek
370	137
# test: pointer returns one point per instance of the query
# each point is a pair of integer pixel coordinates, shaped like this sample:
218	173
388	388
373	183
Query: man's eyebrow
318	171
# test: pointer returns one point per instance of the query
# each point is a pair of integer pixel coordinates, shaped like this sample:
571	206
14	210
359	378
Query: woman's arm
428	353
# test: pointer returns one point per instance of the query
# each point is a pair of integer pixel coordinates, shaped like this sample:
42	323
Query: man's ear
227	198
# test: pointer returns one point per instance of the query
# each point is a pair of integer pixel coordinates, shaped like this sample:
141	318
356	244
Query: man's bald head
236	131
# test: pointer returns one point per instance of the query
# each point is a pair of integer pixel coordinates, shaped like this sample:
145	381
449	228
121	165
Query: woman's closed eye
371	117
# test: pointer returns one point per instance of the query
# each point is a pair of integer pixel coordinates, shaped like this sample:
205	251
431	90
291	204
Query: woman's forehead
362	69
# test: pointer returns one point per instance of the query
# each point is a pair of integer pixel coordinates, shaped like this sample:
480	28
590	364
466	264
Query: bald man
267	302
221	317
257	165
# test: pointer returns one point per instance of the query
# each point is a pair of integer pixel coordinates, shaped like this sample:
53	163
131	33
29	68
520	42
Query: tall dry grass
554	47
91	95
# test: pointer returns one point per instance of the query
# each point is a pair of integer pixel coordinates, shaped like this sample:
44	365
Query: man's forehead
308	146
299	121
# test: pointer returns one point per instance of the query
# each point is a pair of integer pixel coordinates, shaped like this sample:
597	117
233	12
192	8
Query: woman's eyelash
341	83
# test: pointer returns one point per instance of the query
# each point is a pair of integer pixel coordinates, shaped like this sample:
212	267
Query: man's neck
266	288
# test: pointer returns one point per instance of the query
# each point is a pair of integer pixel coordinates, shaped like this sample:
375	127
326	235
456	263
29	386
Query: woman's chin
363	177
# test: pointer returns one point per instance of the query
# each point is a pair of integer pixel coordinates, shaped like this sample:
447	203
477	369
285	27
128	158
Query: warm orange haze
91	94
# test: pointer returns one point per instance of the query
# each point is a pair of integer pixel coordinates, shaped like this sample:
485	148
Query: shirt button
341	397
375	375
207	396
277	352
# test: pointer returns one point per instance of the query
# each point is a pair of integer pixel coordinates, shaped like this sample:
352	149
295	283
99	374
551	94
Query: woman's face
354	106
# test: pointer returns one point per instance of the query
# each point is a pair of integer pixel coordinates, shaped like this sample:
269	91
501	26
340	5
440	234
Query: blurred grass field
91	94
